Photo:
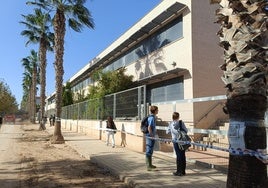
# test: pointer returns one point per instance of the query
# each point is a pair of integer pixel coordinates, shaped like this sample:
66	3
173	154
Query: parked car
10	118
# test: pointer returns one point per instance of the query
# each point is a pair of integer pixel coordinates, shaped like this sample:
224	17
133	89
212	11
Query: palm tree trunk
247	171
33	103
243	36
59	28
29	103
43	65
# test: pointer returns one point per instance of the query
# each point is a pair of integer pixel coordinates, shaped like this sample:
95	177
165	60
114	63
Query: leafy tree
8	104
244	39
38	31
109	82
77	16
67	96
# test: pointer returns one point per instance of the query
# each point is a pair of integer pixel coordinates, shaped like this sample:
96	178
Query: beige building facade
173	50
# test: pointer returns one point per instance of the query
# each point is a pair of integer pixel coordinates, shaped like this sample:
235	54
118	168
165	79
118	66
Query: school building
174	56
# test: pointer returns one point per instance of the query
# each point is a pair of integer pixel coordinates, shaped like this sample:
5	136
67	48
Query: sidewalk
129	166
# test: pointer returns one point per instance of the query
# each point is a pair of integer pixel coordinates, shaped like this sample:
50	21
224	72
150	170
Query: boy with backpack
150	137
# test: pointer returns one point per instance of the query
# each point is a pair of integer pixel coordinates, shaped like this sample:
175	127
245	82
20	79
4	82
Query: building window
164	36
169	90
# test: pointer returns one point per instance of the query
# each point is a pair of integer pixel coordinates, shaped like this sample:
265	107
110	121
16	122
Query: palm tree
38	25
26	85
244	39
30	66
77	16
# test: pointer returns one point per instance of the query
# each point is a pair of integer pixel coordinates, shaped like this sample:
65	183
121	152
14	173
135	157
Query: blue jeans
149	146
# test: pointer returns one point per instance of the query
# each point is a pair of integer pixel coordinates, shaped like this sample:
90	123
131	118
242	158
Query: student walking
111	130
174	127
151	134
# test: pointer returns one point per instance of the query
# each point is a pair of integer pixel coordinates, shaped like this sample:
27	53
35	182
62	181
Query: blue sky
112	18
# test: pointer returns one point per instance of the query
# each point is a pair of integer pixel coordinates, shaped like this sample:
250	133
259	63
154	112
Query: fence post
145	104
114	107
100	132
140	110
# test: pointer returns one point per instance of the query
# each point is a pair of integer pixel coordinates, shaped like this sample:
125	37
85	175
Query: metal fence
121	105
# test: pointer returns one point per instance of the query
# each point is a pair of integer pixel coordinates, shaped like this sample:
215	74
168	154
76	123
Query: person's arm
114	126
150	130
151	125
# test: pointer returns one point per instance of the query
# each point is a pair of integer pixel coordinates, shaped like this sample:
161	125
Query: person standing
174	127
53	120
50	120
150	141
111	130
1	121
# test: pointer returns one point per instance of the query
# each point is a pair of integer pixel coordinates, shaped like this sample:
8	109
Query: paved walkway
130	165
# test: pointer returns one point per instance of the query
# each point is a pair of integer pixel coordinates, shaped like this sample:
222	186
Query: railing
126	104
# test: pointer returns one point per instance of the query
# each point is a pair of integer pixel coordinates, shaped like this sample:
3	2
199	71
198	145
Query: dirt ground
43	165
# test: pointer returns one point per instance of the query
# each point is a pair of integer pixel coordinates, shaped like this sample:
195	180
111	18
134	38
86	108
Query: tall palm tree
244	38
38	31
30	65
77	16
26	85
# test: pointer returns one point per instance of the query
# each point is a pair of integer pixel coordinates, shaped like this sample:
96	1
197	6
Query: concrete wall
207	54
129	132
207	57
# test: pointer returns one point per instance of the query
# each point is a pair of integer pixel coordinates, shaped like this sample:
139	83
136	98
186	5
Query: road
9	158
28	160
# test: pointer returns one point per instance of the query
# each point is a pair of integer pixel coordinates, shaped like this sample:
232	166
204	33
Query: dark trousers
180	158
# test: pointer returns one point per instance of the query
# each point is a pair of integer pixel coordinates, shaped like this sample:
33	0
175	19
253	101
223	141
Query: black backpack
144	125
183	137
